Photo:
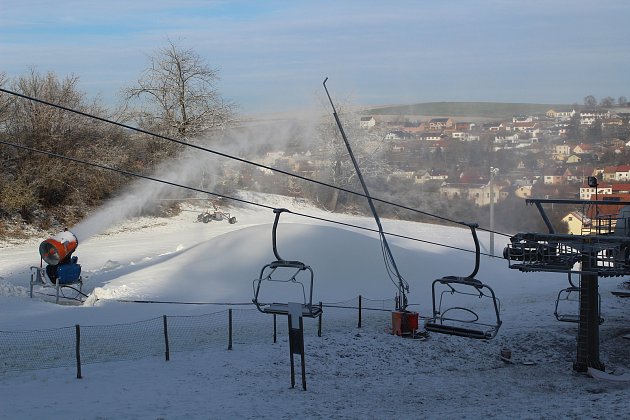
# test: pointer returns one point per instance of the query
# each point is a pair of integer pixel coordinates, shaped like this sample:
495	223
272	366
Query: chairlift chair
460	320
567	304
289	272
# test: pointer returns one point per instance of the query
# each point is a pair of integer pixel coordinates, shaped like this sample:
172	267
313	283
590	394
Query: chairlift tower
603	251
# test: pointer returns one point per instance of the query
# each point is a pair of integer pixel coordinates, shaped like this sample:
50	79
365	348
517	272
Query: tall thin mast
403	287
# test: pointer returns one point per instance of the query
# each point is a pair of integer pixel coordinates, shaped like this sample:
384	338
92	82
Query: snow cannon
57	249
57	252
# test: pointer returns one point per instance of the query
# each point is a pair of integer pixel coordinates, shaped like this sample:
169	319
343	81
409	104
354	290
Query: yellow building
576	222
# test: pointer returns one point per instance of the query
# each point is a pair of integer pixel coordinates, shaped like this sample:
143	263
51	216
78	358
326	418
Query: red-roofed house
588	193
609	173
622	173
583	149
620	188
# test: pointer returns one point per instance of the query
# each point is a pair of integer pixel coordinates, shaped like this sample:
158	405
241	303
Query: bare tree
607	102
43	189
367	146
590	101
622	101
177	94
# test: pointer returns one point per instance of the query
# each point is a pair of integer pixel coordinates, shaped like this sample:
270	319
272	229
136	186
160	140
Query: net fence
66	346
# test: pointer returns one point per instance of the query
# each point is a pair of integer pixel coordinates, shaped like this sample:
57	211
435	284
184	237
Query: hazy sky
273	55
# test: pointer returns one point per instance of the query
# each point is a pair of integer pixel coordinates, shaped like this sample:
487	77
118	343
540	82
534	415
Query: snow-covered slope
351	373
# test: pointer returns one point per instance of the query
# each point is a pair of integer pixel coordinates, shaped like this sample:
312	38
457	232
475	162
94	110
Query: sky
272	56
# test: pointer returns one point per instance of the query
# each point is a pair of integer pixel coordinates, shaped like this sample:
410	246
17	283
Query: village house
523	191
528	126
367	122
441	123
622	173
588	117
560	115
554	176
573	159
477	193
588	193
576	222
431	136
621	188
559	151
583	149
464	126
432	175
572	176
413	127
522	119
397	135
493	126
506	139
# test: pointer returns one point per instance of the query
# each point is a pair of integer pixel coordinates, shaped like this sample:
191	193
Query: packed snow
350	372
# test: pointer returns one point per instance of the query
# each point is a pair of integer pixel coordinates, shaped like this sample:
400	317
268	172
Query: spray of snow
195	169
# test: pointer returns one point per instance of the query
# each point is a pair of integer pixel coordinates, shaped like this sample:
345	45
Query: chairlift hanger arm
274	241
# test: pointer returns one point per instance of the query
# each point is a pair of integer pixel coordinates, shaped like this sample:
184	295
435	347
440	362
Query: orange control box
404	323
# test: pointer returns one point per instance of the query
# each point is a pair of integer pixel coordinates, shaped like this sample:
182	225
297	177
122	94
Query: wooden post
166	351
360	304
319	321
230	329
78	349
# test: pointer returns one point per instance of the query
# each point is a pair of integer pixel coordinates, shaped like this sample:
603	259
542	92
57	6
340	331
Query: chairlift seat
288	264
458	331
469	281
308	311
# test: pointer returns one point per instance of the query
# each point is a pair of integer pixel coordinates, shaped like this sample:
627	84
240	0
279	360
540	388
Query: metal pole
493	172
230	329
78	349
319	321
360	307
166	351
274	328
403	287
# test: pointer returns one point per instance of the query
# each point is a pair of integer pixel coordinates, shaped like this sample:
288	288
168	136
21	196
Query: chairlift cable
240	200
236	158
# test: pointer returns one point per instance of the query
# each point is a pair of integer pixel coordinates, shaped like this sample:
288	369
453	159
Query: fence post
360	304
167	351
78	350
274	329
319	321
230	329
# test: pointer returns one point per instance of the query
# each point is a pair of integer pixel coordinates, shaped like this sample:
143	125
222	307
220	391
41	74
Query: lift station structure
602	250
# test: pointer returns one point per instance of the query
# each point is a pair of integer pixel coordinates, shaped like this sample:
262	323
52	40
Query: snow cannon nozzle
59	248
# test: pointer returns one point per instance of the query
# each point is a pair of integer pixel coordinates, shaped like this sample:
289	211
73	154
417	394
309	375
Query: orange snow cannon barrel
54	250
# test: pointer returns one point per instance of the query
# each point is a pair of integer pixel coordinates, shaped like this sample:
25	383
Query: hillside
466	109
